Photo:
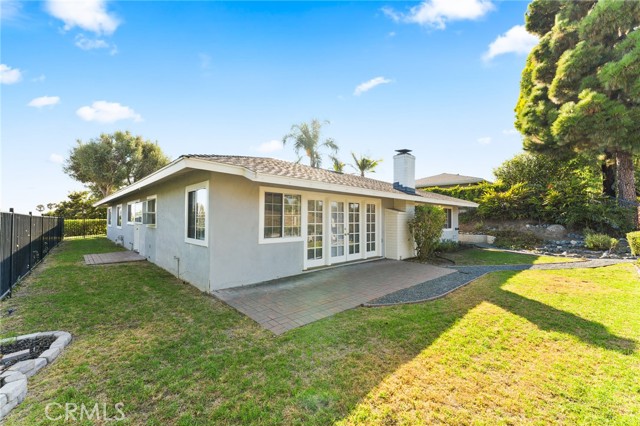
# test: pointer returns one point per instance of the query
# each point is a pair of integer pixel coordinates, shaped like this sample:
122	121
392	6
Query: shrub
634	242
595	241
516	240
81	227
517	202
469	193
447	246
426	228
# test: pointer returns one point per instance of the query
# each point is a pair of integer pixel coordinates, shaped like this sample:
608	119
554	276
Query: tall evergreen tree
580	89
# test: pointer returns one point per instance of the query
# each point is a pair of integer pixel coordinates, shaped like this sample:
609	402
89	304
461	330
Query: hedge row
82	227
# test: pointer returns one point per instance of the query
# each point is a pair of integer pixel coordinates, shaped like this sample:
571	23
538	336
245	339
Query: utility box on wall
399	244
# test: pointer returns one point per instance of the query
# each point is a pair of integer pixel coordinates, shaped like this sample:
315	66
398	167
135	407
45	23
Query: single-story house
220	221
448	180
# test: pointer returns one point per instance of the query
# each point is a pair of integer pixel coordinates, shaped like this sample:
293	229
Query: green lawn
534	347
478	256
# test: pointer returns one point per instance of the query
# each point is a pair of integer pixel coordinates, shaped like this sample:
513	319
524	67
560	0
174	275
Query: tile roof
447	179
274	167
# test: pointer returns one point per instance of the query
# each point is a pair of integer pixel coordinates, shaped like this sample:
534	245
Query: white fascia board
173	168
199	164
344	189
164	172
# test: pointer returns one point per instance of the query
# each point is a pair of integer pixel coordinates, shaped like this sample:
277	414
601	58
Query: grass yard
476	256
533	347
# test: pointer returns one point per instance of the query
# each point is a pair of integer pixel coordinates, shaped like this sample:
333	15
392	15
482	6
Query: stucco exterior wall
237	258
165	243
234	255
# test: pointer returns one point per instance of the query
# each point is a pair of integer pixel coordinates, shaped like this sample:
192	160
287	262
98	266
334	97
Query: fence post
41	236
30	239
11	250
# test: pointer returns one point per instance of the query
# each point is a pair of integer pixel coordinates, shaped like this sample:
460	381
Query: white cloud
44	101
368	85
510	132
90	15
9	75
39	79
56	158
271	146
85	43
516	40
485	140
392	34
436	13
107	112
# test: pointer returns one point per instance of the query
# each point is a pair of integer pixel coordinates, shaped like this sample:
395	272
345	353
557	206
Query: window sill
280	240
202	243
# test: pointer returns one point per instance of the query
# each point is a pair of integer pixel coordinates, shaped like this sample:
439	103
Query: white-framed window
150	208
119	216
131	212
280	216
196	213
447	222
108	216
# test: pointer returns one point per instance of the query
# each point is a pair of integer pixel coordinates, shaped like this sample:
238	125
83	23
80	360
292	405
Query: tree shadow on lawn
390	337
215	365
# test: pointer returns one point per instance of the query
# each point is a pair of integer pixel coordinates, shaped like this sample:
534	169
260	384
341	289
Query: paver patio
288	303
115	257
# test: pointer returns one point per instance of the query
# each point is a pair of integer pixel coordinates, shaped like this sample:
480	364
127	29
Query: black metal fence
24	241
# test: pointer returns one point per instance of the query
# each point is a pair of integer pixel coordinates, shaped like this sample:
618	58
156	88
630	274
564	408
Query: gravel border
463	275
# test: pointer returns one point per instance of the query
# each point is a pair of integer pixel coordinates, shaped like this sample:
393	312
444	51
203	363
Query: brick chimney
404	171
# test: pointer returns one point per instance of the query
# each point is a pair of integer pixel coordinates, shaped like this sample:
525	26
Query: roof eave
183	163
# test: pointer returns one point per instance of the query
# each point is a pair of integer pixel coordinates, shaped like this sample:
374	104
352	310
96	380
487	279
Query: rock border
15	377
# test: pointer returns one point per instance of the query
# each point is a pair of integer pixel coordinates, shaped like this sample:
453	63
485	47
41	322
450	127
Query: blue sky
440	77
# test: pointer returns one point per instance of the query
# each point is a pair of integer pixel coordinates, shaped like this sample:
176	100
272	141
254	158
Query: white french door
354	249
371	230
337	252
315	250
339	230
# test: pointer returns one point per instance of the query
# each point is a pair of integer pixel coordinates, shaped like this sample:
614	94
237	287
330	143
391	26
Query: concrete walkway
295	301
464	275
115	257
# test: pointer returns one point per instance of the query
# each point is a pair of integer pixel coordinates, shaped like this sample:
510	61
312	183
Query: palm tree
364	164
306	138
338	166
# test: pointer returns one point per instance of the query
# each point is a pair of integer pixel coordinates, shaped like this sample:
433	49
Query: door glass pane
337	229
354	228
314	229
371	227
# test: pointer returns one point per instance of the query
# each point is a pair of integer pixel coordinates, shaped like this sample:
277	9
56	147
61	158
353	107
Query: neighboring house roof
280	172
447	179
